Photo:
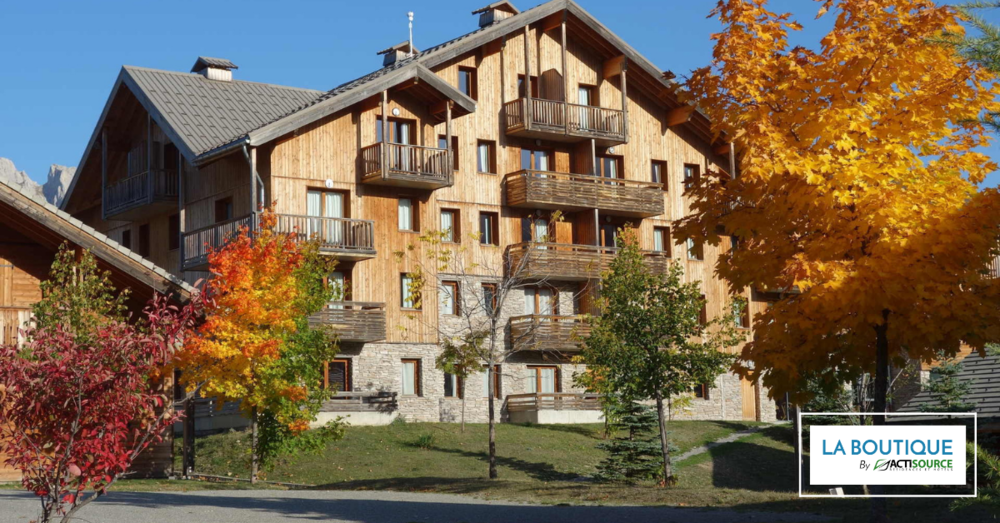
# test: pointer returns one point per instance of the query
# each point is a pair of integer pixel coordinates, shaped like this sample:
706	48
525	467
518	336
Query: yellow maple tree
856	188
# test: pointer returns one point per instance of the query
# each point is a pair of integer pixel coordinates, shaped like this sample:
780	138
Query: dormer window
397	52
495	12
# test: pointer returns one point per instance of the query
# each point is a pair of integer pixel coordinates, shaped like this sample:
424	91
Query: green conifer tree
634	453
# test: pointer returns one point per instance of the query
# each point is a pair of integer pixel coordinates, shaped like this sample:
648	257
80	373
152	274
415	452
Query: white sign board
887	455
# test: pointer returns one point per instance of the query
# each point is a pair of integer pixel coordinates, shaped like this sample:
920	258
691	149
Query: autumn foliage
857	188
80	404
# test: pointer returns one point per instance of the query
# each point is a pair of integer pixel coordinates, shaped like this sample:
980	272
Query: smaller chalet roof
401	46
983	376
49	226
506	6
208	61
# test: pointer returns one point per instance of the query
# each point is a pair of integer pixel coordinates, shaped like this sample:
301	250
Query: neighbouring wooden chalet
530	113
31	232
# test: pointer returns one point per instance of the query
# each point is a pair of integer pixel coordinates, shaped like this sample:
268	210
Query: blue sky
60	58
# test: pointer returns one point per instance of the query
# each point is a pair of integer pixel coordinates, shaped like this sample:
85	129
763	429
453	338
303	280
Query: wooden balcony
402	165
570	262
353	321
374	401
554	408
564	122
537	332
576	192
141	195
344	238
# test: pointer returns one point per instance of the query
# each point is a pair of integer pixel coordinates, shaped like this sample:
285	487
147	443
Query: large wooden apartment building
530	113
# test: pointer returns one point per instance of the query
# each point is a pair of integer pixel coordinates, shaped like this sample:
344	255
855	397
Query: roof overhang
404	77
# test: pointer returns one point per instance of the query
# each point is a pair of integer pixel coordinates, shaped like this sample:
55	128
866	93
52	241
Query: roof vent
218	69
495	12
397	53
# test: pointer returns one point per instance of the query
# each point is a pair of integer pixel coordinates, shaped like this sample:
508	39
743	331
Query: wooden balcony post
149	159
181	208
447	131
732	160
565	75
624	99
527	81
104	171
385	134
253	181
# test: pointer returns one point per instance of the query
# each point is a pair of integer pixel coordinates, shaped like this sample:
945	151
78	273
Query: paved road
242	506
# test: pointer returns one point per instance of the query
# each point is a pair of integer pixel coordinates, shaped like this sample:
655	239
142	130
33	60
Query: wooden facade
571	119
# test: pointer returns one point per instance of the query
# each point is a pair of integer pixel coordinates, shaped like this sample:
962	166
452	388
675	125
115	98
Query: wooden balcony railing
553	401
406	165
157	185
344	237
375	401
535	117
575	192
570	262
353	321
548	332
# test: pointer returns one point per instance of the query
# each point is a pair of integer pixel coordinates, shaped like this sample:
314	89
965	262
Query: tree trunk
493	423
253	446
880	509
463	405
188	443
668	476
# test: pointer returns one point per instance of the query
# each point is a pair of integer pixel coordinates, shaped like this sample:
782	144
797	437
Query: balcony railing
575	192
570	262
548	332
538	118
353	321
406	165
375	401
139	190
342	237
553	401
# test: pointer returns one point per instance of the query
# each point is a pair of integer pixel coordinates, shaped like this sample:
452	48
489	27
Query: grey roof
401	46
983	375
205	113
98	236
208	61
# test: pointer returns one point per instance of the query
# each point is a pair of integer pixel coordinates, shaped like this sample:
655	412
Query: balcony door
542	380
585	97
536	159
326	204
338	375
539	301
400	132
337	281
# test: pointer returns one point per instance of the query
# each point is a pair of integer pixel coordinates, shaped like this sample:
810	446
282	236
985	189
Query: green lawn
551	464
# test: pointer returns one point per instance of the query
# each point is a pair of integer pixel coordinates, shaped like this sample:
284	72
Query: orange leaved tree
256	345
856	188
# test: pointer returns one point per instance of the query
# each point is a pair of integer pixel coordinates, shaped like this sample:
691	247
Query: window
337	375
174	232
450	226
486	156
400	130
741	311
536	159
223	209
536	229
127	238
691	175
703	313
488	229
701	391
543	380
448	294
452	386
411	378
659	173
585	95
609	166
734	243
143	240
539	301
410	294
496	382
467	82
520	86
490	297
407	214
696	250
661	239
443	144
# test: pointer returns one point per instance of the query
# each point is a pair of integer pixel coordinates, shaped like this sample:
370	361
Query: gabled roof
208	61
50	226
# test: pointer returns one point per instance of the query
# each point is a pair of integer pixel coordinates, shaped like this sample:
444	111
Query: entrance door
339	375
748	391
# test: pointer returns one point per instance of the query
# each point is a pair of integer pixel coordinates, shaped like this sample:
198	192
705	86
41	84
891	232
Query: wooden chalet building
530	113
31	232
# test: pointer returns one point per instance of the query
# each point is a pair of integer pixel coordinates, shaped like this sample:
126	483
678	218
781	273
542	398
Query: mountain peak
55	186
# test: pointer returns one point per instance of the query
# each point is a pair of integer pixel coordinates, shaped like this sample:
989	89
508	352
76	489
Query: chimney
495	12
218	69
397	53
